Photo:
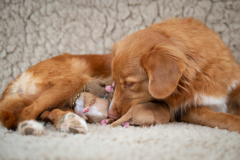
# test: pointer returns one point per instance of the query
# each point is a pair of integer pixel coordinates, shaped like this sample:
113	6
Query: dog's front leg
204	116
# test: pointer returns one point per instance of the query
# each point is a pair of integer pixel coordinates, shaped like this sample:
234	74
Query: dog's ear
164	65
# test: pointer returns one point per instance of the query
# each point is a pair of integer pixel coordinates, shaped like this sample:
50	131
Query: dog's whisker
183	87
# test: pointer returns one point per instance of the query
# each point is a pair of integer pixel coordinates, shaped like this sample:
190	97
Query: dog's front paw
30	127
72	123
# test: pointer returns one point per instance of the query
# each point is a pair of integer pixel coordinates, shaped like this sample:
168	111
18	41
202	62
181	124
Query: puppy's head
146	66
98	107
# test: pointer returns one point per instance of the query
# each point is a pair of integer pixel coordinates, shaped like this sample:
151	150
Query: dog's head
146	66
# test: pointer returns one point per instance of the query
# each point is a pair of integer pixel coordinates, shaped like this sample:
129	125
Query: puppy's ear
164	65
89	99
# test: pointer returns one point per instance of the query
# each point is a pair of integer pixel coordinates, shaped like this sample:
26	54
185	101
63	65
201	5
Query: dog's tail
8	119
124	118
10	109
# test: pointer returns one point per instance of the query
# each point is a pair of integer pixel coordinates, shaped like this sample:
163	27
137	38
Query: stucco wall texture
34	30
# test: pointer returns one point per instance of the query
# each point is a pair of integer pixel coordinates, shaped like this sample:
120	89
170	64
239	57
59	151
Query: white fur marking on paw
73	123
30	127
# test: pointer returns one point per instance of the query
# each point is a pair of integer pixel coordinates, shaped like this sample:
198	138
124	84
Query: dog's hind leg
65	120
30	127
19	94
55	97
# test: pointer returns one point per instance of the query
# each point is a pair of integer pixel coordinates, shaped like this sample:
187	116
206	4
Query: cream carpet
34	30
170	142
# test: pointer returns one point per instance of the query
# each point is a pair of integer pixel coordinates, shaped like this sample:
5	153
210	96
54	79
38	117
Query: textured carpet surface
34	30
170	142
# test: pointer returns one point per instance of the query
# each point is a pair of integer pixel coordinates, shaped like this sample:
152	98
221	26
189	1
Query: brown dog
145	115
184	63
50	84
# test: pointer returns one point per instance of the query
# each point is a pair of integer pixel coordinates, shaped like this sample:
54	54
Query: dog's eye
129	85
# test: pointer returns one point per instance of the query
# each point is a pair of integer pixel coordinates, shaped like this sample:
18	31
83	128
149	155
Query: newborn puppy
145	114
92	108
95	110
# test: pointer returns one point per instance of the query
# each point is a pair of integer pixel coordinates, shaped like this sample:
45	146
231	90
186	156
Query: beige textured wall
34	30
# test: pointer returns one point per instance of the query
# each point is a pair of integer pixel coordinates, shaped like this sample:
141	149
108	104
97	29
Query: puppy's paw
72	123
86	110
125	124
104	122
30	127
107	121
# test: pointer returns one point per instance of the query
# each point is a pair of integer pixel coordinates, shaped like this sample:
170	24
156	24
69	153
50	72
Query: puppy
92	108
184	63
145	115
52	85
95	110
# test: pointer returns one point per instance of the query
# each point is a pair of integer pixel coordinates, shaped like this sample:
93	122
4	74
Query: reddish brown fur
177	61
55	116
50	84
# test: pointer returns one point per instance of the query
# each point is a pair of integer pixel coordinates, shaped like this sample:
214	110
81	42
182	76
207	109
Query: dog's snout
111	112
112	115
